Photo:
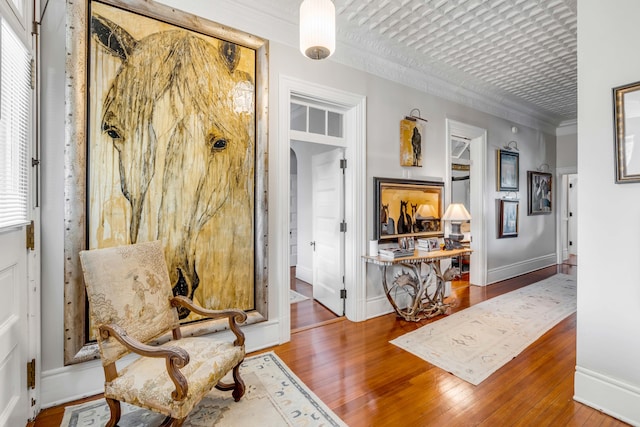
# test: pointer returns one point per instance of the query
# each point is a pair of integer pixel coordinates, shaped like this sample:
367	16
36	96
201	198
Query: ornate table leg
411	284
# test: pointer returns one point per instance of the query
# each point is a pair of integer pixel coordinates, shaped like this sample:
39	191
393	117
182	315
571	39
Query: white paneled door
328	240
13	328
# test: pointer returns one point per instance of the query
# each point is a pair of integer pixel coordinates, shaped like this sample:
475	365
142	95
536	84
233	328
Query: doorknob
313	244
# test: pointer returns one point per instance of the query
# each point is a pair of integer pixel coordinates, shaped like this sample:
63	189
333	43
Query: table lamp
456	213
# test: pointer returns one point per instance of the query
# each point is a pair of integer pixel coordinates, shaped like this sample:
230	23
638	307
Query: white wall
567	146
608	340
387	104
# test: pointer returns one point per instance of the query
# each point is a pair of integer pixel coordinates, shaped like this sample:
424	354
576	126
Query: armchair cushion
145	381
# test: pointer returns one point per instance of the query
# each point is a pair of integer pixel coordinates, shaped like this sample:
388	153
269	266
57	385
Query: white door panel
13	328
328	213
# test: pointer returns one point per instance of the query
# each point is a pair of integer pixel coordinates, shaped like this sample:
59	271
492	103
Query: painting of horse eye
161	181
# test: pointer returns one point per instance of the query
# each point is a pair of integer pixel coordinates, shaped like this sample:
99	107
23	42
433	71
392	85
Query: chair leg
114	407
238	390
237	386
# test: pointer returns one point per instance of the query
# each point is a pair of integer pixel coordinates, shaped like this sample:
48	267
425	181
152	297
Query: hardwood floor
367	381
308	313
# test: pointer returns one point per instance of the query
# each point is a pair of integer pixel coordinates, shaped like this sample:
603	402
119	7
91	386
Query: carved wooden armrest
235	316
175	357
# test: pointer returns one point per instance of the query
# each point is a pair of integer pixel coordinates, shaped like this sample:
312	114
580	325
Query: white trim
478	150
304	273
568	127
355	195
609	395
516	269
378	306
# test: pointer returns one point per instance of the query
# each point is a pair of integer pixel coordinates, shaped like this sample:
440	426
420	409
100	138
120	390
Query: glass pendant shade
317	28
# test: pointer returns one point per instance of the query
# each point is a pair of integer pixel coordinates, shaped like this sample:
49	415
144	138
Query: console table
410	286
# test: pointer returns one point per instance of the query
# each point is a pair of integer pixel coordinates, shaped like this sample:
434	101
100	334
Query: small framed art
539	197
508	226
508	170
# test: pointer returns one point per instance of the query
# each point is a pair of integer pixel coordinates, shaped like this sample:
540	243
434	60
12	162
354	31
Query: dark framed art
540	193
508	222
627	129
407	208
160	151
508	168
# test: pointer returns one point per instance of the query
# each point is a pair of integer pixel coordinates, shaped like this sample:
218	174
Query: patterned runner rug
274	397
475	342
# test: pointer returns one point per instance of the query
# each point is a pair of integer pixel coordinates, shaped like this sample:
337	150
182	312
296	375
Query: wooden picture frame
539	193
126	183
626	118
508	168
396	205
509	219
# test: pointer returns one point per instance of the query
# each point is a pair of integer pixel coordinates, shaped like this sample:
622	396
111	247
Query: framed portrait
411	134
508	175
407	208
540	195
160	151
626	114
508	222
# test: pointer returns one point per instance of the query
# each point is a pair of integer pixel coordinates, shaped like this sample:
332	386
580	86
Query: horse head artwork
179	115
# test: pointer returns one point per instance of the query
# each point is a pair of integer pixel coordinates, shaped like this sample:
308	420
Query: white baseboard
304	273
72	382
508	271
611	396
378	306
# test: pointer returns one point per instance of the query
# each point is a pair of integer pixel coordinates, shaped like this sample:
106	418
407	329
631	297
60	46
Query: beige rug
275	397
295	297
475	342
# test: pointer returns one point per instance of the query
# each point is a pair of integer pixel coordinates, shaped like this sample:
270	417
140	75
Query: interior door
328	214
13	328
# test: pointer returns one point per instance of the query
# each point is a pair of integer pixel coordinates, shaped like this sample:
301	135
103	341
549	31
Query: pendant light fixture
317	28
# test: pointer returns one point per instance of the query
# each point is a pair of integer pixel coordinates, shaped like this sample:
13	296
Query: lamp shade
456	212
317	28
426	211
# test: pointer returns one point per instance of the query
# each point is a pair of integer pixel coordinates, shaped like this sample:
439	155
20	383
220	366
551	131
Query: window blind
15	100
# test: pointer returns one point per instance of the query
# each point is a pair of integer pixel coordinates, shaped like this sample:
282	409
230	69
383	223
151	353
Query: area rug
475	342
274	397
295	297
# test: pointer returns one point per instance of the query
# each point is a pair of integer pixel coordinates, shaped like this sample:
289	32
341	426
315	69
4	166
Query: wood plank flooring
369	382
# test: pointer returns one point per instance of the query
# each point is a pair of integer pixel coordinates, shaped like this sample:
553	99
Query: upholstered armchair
131	305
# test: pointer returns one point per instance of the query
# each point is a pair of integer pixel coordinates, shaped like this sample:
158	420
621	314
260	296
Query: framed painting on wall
166	152
627	128
407	208
411	133
540	194
508	175
508	222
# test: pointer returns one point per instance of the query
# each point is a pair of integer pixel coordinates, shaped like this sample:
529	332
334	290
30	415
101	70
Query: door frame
561	210
355	195
478	150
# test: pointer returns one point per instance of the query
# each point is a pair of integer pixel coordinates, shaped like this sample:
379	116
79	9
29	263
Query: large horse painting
171	151
166	139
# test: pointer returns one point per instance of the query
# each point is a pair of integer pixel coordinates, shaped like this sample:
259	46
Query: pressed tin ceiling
496	55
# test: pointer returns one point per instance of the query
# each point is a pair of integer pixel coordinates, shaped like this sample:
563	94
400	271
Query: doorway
567	216
354	126
462	137
318	248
